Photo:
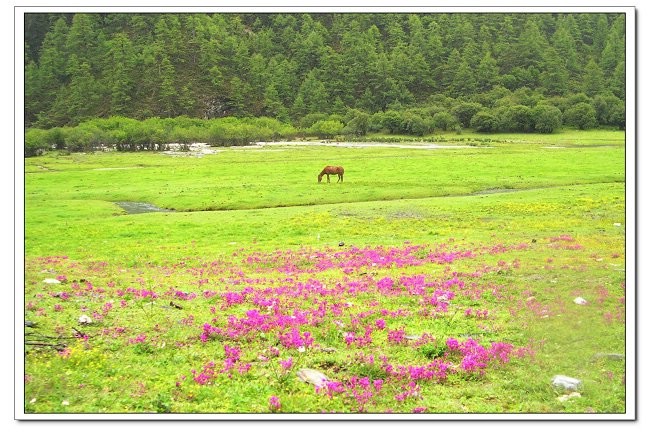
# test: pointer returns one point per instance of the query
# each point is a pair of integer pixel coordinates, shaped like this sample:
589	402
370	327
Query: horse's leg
328	178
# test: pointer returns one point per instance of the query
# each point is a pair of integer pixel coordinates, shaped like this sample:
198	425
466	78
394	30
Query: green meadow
200	308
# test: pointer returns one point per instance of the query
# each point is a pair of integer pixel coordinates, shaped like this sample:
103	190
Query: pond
134	207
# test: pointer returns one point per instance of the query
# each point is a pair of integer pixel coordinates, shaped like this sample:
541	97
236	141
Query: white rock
314	377
51	281
580	301
84	320
566	382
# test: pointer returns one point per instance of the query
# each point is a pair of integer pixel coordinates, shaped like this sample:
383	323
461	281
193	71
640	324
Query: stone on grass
580	301
566	382
51	281
85	320
314	377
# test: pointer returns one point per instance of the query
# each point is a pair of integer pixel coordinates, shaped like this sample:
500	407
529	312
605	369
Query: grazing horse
330	169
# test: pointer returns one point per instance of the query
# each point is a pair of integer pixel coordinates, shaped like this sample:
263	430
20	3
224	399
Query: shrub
515	118
357	122
484	121
610	110
445	121
36	142
392	121
310	119
414	124
582	116
465	111
56	137
79	139
546	118
326	128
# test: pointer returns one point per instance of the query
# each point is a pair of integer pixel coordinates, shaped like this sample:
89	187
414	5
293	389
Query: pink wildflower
274	403
397	336
452	344
286	364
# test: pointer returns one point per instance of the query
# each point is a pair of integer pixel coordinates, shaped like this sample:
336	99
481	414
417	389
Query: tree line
404	73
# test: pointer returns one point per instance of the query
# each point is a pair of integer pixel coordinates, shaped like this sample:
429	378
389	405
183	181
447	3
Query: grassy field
430	281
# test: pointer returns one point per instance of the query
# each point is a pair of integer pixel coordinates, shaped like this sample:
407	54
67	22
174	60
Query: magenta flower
274	403
452	344
139	339
286	364
397	336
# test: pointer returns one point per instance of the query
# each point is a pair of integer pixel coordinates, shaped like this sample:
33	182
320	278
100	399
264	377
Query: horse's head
320	177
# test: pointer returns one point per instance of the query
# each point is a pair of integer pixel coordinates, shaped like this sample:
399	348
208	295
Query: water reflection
134	207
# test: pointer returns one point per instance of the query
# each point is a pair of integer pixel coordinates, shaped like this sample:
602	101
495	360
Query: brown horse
330	169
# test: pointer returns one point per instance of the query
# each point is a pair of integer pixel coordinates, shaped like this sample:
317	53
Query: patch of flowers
411	315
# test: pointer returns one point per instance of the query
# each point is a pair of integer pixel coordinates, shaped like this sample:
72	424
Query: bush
414	124
36	142
310	119
610	110
326	128
56	137
484	121
465	111
357	122
392	121
376	122
79	139
582	116
515	118
445	121
546	118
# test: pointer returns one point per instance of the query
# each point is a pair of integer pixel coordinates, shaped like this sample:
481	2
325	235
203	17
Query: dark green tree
118	71
617	81
592	79
614	50
487	73
554	77
84	39
564	46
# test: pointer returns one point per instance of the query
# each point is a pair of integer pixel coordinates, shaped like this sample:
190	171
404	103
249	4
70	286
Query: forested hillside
489	71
